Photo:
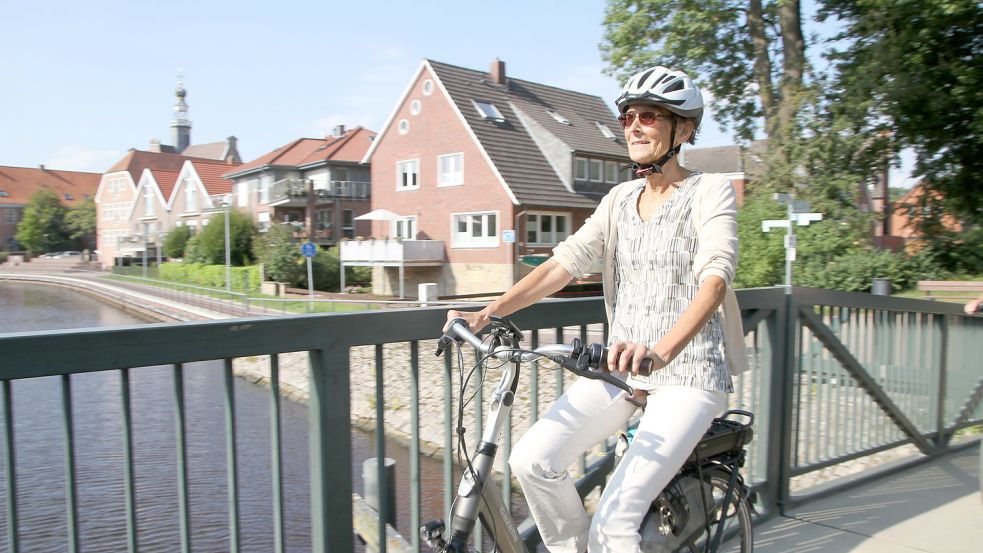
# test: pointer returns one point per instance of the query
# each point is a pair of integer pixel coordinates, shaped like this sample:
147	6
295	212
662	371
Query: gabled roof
349	147
135	161
212	150
211	177
18	184
716	159
165	181
526	172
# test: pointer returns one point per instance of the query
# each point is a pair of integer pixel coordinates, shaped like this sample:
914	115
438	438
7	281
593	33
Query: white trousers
675	419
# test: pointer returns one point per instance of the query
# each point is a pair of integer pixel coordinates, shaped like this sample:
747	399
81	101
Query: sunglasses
646	118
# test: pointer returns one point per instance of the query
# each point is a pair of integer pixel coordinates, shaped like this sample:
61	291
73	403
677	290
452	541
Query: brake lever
581	367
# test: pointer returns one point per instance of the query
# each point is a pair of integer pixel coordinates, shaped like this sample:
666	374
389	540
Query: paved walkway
935	507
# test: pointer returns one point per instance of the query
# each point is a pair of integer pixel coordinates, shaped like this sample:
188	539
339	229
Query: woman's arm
544	280
627	356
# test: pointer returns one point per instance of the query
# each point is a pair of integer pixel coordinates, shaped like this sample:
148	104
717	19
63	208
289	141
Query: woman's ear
684	130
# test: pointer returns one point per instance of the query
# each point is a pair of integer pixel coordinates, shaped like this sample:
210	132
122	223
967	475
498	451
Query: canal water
40	464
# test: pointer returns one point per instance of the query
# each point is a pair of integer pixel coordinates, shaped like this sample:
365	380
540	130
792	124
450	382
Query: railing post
941	439
331	453
781	336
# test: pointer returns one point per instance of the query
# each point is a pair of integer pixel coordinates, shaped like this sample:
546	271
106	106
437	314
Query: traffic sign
308	249
508	236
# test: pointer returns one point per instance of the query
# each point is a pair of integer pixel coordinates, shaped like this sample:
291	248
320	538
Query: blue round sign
308	249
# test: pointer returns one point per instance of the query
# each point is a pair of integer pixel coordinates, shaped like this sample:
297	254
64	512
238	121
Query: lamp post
225	201
796	214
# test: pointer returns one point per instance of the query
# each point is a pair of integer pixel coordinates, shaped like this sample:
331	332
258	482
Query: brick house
146	194
484	174
18	184
318	184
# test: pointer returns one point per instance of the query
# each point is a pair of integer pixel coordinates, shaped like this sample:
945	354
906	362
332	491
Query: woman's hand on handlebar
476	320
628	356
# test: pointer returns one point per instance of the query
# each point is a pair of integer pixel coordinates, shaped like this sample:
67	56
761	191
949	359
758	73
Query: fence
834	378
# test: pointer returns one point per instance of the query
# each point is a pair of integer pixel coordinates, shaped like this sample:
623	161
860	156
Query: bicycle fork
478	498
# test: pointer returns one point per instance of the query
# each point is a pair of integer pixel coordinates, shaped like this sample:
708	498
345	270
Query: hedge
211	275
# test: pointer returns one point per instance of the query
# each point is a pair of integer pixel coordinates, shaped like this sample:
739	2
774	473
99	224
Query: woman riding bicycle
668	242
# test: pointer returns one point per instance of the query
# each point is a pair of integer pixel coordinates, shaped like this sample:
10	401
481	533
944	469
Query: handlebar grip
600	353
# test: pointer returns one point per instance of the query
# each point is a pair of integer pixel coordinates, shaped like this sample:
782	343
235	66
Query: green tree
42	228
208	246
734	45
911	71
80	223
176	241
280	255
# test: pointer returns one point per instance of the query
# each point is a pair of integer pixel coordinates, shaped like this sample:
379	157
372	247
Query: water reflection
97	405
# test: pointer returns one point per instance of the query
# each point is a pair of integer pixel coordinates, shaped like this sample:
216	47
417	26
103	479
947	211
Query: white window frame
242	194
581	170
605	130
466	238
404	228
559	118
488	111
265	183
190	196
599	165
611	172
407	167
148	202
538	237
454	175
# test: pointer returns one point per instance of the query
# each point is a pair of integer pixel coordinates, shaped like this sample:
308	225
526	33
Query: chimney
497	72
41	167
154	145
339	130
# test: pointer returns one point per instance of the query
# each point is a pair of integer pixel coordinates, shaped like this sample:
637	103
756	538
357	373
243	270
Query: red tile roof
350	146
165	181
135	161
18	184
211	177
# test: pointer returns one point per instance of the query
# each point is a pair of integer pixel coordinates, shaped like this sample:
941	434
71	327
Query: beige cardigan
714	211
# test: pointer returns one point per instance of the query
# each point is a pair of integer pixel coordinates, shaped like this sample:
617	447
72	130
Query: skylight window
558	117
605	130
488	111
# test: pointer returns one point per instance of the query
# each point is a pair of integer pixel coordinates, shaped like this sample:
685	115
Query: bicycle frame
478	497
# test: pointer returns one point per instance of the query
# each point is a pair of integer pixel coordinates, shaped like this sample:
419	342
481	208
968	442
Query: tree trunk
762	64
793	65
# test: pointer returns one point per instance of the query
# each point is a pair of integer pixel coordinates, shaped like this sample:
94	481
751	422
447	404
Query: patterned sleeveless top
654	284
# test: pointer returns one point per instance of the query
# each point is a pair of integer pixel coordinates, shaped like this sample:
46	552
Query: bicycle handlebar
588	361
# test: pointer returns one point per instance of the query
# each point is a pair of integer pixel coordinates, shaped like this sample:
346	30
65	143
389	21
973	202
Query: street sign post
797	214
309	250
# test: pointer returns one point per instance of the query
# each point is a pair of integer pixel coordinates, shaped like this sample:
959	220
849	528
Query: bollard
881	287
371	492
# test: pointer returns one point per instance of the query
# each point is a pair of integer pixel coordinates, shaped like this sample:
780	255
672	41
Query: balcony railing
296	190
391	252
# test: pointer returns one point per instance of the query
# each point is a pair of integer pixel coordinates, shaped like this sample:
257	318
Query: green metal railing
834	377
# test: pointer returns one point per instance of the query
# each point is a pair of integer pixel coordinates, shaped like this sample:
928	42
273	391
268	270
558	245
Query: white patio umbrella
378	215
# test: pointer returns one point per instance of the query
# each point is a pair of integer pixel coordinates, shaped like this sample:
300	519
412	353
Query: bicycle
706	502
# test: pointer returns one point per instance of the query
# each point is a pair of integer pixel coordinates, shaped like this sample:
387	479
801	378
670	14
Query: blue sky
85	81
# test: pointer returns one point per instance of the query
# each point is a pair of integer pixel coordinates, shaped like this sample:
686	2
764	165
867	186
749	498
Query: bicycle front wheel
737	532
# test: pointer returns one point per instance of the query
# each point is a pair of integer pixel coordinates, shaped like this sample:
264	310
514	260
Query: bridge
853	394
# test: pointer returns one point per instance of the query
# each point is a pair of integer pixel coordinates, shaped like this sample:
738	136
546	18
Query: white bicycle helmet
665	87
671	89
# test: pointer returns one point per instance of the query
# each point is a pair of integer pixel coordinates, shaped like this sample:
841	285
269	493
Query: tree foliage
912	72
208	246
42	229
80	223
751	55
176	242
280	255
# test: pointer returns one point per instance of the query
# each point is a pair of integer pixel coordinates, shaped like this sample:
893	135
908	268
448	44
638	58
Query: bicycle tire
738	532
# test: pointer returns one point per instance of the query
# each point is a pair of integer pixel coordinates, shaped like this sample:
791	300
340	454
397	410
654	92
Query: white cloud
80	158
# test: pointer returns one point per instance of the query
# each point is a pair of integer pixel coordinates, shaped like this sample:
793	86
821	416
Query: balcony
392	253
294	192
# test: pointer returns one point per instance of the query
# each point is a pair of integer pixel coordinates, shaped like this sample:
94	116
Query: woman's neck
671	173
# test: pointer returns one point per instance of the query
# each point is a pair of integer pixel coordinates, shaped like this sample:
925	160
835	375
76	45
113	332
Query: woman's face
649	141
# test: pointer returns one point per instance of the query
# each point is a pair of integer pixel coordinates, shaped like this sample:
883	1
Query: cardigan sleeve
578	252
715	217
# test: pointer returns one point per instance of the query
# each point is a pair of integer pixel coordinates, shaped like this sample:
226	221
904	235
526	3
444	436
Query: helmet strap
656	167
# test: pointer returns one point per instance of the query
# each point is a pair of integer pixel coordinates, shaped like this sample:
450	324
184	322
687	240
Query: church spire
180	124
